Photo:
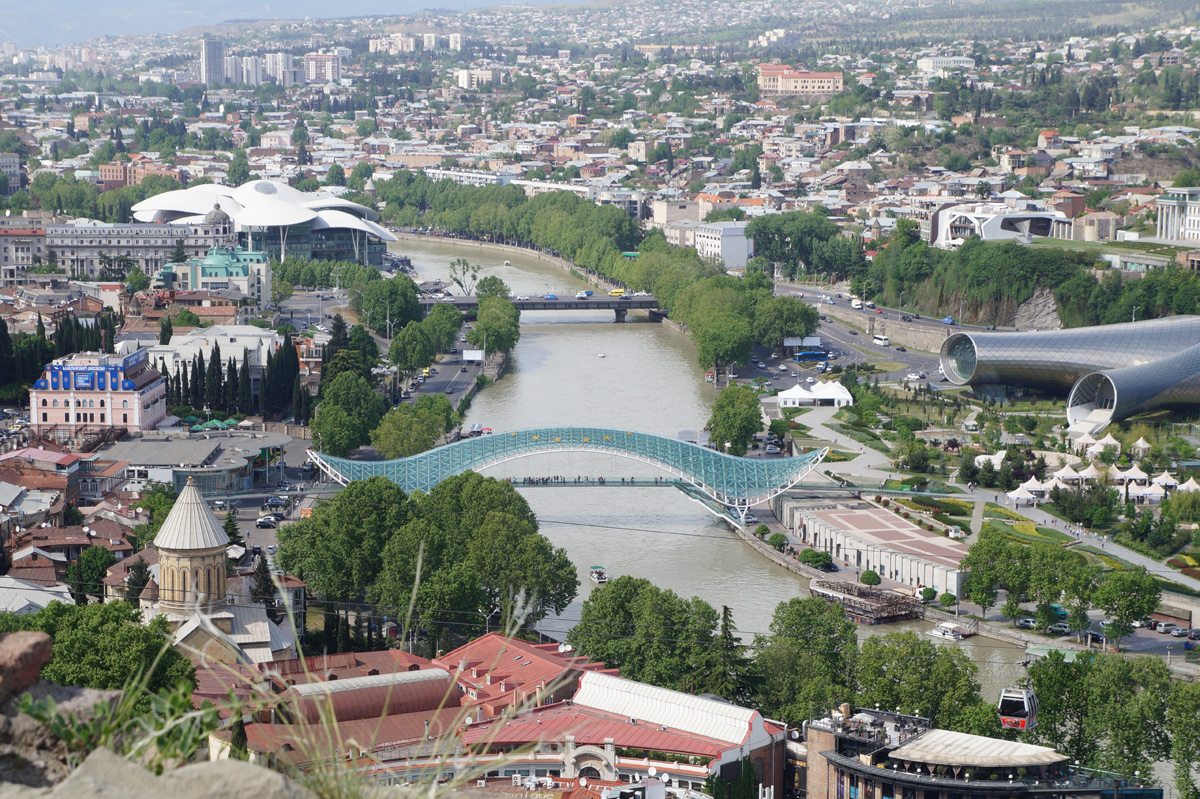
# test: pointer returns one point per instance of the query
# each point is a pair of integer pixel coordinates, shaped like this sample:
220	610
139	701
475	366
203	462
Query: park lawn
1102	557
1027	532
993	511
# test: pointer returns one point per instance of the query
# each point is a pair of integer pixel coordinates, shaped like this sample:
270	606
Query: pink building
93	392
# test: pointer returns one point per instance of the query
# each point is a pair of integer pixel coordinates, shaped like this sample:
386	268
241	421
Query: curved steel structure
733	482
1055	359
1111	371
1101	397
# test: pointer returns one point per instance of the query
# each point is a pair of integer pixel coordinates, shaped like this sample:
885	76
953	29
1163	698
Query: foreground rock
105	775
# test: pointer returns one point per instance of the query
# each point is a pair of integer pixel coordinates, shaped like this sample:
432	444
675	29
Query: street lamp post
1133	316
901	307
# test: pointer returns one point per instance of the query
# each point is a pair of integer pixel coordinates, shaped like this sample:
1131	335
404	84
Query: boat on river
600	355
598	575
947	631
508	263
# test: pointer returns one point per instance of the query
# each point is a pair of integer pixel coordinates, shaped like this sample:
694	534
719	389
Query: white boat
508	263
598	575
600	355
947	630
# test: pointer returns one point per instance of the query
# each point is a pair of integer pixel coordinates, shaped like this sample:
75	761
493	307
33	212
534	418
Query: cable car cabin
1018	709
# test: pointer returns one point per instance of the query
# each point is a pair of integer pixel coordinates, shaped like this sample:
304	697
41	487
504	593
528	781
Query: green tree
407	430
231	529
165	330
464	275
86	575
1183	724
412	349
651	634
778	540
808	661
237	738
491	286
336	176
136	580
870	577
103	645
238	171
778	318
136	281
350	409
1126	596
916	675
984	565
723	338
263	589
730	671
179	253
497	325
736	418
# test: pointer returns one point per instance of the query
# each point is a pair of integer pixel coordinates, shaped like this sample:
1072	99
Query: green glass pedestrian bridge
736	483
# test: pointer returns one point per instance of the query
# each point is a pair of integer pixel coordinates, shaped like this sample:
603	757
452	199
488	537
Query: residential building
221	269
781	80
322	68
474	78
726	243
45	469
217	465
664	211
429	41
97	392
10	168
878	754
212	61
233	69
1179	214
456	42
84	247
276	64
468	177
945	63
20	249
252	70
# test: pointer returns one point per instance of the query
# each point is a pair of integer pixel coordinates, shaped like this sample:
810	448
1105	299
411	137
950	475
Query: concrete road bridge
621	306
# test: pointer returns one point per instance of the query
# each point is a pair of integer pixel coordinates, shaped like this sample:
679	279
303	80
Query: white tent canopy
1109	441
1066	473
1091	472
1141	445
1190	485
1135	473
1165	480
1154	491
1084	440
1021	494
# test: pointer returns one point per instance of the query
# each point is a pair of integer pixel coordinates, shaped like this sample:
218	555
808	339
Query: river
649	381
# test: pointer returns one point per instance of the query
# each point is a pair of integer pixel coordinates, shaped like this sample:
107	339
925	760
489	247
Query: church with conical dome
193	594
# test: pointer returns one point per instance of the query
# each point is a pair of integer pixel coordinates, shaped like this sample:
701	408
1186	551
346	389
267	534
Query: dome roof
216	216
190	525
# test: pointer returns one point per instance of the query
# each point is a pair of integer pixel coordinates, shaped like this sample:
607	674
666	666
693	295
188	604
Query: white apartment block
252	70
944	62
456	42
725	242
10	167
233	69
474	78
429	41
276	64
468	177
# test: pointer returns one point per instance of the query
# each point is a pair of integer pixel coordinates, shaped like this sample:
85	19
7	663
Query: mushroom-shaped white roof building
270	215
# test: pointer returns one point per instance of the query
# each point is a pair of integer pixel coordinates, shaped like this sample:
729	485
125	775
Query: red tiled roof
512	664
590	726
45	455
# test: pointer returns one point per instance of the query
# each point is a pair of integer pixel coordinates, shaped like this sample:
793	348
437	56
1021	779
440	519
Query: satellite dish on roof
666	778
583	782
652	771
562	647
470	720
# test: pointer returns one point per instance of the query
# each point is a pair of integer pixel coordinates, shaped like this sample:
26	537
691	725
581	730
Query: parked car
1194	634
220	504
829	567
277	502
1142	623
271	549
1059	628
266	524
277	516
1165	627
772	449
1026	623
1180	632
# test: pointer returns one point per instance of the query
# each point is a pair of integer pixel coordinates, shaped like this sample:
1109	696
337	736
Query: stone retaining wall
913	336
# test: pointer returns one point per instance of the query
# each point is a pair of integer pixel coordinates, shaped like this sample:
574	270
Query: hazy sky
56	22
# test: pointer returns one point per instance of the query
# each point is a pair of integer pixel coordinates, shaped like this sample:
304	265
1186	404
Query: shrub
948	600
869	577
928	594
777	540
762	530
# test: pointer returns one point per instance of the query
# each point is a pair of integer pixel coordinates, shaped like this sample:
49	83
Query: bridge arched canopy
734	482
